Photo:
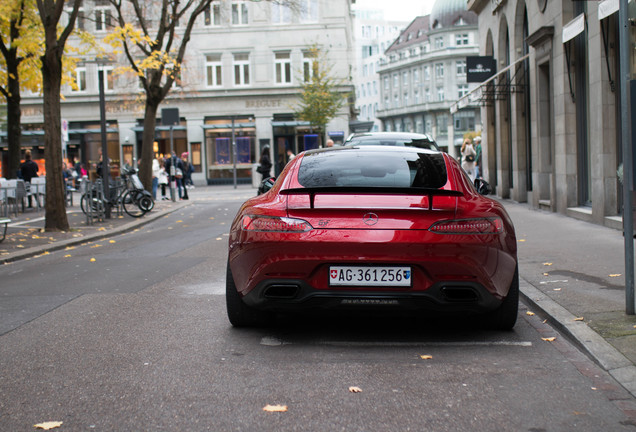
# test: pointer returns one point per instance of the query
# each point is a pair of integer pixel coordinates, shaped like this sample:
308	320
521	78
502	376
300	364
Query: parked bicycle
129	194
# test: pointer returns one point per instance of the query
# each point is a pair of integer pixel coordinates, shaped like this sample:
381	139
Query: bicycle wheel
146	203
131	204
97	205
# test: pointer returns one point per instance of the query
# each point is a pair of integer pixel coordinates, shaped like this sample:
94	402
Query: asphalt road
138	340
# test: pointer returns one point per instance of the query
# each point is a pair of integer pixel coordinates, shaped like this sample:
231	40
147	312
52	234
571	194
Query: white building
424	72
373	35
240	78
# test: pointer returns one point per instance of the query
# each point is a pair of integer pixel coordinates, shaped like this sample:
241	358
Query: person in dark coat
175	162
265	163
28	170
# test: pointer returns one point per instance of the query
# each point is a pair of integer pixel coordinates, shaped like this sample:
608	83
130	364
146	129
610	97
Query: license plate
370	276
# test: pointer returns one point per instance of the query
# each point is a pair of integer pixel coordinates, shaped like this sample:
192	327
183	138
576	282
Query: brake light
491	225
275	224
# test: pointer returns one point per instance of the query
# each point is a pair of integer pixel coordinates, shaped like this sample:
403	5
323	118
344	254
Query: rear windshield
353	168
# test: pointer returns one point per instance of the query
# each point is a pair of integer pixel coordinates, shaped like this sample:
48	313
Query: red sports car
377	228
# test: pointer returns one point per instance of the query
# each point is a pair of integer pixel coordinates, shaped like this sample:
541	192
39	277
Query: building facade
424	72
373	35
552	137
239	86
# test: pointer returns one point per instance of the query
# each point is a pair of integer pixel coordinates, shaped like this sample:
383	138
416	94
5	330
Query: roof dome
446	13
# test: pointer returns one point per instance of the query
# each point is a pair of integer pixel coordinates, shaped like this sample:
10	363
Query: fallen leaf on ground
547	264
546	274
112	241
530	313
67	256
275	408
96	246
522	240
550	339
426	357
48	425
556	289
102	229
578	319
354	389
615	275
93	260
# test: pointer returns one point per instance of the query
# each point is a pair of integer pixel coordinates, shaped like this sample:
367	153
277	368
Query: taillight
274	224
492	225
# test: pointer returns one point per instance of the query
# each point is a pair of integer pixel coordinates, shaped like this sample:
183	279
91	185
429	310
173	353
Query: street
130	333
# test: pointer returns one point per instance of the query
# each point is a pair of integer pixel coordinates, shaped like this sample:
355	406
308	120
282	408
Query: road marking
274	341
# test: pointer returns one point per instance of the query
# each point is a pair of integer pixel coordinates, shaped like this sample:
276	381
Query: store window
281	13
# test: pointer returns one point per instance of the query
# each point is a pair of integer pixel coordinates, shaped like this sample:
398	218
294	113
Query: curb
586	339
62	244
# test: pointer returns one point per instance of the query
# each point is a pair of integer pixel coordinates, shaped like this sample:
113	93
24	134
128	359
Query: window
102	19
109	81
427	73
80	79
241	69
281	13
396	81
309	10
386	83
440	94
213	70
416	96
439	70
461	39
396	100
405	79
387	102
461	67
439	43
427	95
282	64
406	99
462	90
212	15
416	76
375	88
309	60
239	13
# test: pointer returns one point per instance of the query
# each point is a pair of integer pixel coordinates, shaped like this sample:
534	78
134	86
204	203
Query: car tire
505	316
240	314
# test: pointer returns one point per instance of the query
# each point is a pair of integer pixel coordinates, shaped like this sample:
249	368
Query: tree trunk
55	215
14	131
148	139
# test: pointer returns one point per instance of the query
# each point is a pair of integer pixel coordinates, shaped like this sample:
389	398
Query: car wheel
240	314
505	316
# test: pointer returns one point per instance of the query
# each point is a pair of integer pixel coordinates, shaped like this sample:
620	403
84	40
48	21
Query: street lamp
102	115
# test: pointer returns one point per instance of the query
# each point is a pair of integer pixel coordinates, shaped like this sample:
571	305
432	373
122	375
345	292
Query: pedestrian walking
468	158
156	170
28	170
477	145
265	164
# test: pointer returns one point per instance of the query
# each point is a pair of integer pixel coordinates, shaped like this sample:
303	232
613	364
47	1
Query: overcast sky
402	10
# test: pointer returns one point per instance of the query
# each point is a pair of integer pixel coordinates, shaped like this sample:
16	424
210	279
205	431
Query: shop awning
159	128
574	28
228	126
482	94
292	123
607	8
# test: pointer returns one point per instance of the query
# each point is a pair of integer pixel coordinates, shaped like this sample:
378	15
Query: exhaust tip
281	291
459	294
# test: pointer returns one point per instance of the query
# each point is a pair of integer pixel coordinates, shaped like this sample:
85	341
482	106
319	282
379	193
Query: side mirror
482	186
266	185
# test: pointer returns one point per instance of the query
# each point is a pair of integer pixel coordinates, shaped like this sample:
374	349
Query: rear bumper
294	295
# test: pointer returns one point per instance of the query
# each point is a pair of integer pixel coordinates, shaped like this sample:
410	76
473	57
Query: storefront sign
263	103
480	68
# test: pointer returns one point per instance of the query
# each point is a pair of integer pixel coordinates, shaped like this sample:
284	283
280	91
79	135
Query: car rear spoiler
365	190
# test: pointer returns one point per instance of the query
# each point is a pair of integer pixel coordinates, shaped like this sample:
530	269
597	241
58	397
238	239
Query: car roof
398	136
353	147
